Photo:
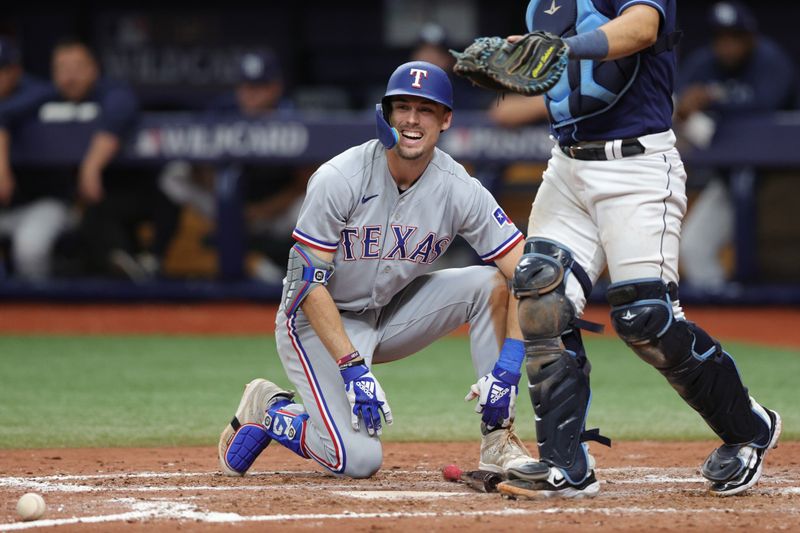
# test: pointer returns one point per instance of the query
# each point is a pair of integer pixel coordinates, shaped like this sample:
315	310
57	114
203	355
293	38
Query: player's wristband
349	360
590	45
511	355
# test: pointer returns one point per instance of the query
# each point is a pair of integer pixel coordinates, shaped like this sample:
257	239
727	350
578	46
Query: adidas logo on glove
497	393
367	387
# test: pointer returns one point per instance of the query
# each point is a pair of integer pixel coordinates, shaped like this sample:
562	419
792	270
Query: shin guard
695	364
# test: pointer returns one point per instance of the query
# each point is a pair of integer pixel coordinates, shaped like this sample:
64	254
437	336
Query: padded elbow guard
305	272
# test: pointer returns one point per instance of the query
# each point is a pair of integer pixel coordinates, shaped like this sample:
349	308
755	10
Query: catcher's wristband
351	359
591	45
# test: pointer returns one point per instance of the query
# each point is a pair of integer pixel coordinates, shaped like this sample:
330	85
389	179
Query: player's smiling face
419	122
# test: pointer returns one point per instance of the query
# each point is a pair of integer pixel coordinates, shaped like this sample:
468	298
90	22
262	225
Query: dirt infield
645	485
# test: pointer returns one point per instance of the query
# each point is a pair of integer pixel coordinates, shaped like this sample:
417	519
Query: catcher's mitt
530	66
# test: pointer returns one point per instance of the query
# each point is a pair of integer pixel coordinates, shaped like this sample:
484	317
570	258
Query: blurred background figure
271	194
260	88
32	214
116	201
739	71
432	46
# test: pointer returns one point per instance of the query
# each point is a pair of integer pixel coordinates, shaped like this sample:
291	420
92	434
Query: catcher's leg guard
558	371
695	364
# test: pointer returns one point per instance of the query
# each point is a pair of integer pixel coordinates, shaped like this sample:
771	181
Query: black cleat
733	469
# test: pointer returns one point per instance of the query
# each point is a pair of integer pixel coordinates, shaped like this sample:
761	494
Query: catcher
360	291
614	195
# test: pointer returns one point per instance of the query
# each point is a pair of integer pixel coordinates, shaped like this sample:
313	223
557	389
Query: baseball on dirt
451	473
31	506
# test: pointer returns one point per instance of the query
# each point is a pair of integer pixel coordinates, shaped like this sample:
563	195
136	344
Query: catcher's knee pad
540	285
694	363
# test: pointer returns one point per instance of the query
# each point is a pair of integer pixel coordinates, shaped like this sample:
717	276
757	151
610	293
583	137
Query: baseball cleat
502	451
554	486
245	437
732	469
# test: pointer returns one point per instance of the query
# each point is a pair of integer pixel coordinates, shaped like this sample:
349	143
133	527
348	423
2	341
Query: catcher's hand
366	398
497	397
531	65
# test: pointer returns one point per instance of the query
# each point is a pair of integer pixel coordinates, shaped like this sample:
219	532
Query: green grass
163	390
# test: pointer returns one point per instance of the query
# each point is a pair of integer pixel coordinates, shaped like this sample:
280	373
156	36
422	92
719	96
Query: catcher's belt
603	150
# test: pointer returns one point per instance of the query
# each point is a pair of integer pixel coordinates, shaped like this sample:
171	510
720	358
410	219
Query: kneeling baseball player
360	290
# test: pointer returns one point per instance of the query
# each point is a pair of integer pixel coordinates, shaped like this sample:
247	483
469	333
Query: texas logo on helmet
418	73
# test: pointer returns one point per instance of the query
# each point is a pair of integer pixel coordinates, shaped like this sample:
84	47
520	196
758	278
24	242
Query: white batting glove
497	397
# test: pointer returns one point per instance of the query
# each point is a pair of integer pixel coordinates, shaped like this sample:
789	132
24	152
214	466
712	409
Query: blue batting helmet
416	78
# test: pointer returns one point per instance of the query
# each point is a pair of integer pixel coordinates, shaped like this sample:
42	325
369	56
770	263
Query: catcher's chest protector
587	87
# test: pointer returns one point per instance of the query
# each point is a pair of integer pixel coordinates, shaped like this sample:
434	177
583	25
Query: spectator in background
272	194
32	214
116	201
432	46
740	71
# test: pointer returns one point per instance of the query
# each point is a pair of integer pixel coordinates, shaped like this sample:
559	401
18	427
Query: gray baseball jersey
383	239
385	244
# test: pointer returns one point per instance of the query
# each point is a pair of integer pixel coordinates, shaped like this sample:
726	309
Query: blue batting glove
366	398
497	397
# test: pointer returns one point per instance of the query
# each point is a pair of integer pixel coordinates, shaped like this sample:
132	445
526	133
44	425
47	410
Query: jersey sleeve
486	227
24	102
325	210
659	5
119	110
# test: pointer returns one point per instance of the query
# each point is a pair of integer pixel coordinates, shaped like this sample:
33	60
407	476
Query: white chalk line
58	483
399	494
170	510
154	510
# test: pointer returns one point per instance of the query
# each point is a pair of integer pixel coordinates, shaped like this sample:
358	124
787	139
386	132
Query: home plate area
644	485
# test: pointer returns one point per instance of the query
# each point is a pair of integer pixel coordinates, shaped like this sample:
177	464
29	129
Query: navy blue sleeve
25	101
772	78
119	109
698	67
777	82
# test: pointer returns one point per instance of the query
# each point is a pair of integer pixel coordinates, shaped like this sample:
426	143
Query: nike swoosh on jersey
365	199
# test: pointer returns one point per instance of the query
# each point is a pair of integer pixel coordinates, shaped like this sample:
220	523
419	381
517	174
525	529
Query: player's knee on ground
363	455
700	371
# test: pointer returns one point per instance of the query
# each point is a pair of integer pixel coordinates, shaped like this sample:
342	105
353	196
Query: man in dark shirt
740	71
117	201
32	215
271	194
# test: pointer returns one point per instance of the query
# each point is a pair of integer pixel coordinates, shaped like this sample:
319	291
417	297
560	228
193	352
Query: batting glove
497	397
366	398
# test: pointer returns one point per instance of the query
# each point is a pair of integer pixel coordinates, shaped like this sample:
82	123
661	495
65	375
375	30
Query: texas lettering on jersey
366	242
